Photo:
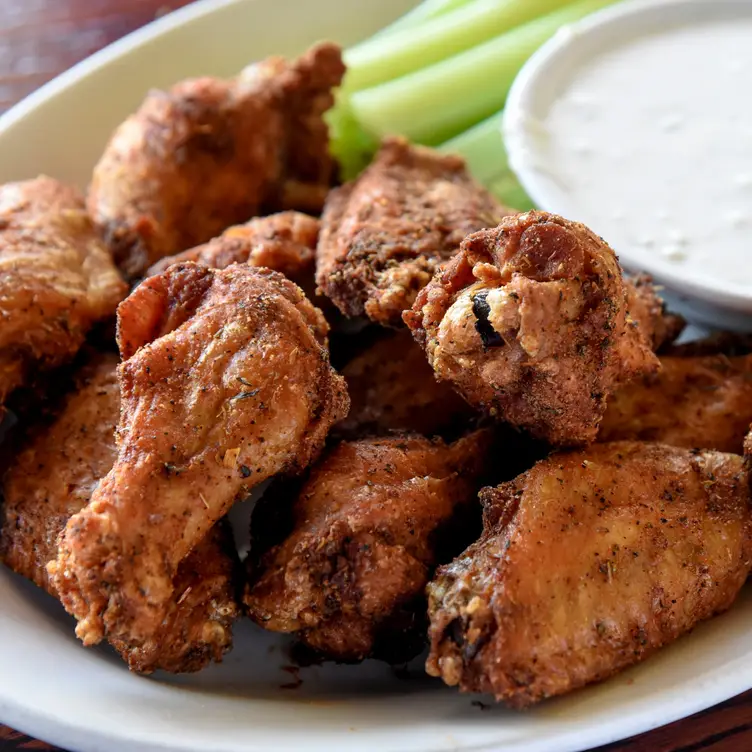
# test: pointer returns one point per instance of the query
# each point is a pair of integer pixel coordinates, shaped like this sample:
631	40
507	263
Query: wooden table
41	38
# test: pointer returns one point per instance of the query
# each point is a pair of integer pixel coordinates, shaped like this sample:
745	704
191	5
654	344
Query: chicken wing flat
225	382
53	478
285	242
210	153
589	562
530	322
384	235
56	278
346	564
691	402
392	388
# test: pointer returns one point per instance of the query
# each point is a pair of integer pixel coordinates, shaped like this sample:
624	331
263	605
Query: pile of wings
516	462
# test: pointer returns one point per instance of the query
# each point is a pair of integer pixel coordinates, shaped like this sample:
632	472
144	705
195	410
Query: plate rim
42	724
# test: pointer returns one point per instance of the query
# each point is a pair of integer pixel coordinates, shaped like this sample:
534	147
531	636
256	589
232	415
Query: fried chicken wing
384	235
691	402
285	242
225	382
731	344
56	279
530	322
648	310
210	153
589	562
392	388
344	563
53	478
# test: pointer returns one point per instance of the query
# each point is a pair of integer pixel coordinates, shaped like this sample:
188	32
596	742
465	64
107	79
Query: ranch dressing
652	141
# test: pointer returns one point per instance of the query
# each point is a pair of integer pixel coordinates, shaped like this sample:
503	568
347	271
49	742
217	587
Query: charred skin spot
488	335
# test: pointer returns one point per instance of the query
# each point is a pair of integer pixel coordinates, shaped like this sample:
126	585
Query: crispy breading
344	562
590	562
648	309
529	321
225	382
384	235
285	242
53	478
694	402
56	279
210	153
392	388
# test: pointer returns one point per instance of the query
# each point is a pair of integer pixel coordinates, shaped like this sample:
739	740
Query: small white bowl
537	87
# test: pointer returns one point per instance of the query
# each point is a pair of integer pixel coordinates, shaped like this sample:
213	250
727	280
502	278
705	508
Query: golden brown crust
284	242
590	562
345	564
529	321
56	278
648	310
210	153
53	478
392	388
700	402
198	626
383	236
226	383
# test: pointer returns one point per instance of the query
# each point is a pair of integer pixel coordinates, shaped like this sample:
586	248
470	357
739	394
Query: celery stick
508	190
422	12
349	144
383	59
482	148
433	104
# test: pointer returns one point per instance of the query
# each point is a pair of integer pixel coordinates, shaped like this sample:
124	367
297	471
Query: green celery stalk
349	144
507	189
422	12
482	147
404	51
432	105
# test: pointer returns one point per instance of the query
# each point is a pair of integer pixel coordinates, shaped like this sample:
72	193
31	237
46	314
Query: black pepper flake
245	471
480	705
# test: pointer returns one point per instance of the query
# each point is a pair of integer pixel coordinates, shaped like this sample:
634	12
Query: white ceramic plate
86	700
536	89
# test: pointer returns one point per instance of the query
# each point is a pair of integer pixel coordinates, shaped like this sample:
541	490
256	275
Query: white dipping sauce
652	142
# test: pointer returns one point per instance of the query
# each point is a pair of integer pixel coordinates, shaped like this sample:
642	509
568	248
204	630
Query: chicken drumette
384	235
53	478
56	279
210	153
589	562
692	402
530	321
225	382
344	562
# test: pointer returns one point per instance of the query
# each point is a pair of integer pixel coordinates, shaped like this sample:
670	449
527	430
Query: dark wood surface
41	38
